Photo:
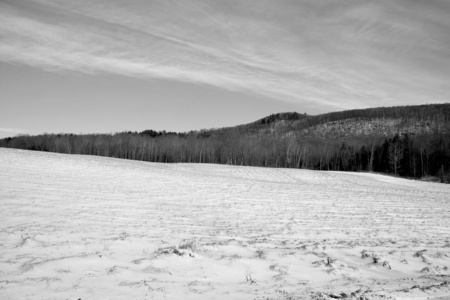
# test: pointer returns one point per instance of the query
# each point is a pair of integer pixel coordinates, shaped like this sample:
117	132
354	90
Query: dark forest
412	142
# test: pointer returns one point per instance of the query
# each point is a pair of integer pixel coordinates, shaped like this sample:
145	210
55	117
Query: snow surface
100	228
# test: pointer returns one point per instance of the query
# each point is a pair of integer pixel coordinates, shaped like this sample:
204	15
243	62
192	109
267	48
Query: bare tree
395	155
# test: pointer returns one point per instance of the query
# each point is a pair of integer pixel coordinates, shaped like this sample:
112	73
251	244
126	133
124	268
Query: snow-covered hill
101	228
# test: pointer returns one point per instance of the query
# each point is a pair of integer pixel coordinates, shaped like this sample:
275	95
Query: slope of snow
101	228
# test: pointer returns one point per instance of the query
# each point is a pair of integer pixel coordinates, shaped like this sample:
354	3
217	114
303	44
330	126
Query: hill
410	141
373	122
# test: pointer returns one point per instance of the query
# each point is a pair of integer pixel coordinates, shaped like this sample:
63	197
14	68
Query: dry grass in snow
99	228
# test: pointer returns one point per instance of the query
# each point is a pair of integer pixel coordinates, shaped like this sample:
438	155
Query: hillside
409	141
383	121
89	227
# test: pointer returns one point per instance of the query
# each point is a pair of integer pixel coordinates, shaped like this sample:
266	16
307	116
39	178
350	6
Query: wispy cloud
320	53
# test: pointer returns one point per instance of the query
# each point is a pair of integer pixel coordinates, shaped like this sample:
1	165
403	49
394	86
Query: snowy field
85	227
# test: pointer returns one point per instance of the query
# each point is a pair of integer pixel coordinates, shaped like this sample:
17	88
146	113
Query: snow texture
85	227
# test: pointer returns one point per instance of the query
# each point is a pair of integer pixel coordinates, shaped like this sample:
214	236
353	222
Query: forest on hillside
437	116
407	141
418	156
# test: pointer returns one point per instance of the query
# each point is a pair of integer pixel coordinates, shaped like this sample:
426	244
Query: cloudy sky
110	65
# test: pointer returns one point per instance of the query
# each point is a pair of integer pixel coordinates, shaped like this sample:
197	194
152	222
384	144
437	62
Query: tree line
414	156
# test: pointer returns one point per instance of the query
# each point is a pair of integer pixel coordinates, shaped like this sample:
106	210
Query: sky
106	66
